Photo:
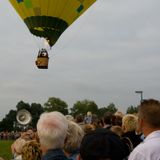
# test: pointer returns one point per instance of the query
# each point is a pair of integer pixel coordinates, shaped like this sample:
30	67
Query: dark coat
135	139
54	154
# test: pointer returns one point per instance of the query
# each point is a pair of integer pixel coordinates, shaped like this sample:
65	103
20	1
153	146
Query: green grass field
5	149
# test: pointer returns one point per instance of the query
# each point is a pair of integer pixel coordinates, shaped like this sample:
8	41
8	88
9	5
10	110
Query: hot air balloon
49	19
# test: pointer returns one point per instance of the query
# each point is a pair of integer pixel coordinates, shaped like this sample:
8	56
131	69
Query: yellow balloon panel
45	17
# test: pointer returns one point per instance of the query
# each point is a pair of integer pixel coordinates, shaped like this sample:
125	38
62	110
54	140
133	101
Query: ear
140	125
141	121
78	157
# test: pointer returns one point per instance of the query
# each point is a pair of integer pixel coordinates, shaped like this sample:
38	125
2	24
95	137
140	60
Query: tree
132	109
56	104
36	111
7	123
22	105
101	111
82	107
111	108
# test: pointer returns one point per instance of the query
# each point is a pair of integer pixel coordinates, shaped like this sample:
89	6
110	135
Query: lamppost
141	93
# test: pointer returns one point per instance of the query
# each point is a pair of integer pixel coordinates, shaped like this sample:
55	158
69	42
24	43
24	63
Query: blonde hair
117	130
129	123
31	151
74	137
118	113
16	147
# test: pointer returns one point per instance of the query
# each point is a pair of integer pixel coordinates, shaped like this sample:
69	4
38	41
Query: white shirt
149	149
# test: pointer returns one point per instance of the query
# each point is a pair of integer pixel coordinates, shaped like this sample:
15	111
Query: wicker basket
42	62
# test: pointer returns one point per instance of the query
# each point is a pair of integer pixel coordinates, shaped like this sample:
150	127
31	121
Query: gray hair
74	137
52	129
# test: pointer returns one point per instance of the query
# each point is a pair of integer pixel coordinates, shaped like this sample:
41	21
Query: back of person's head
74	137
31	151
149	111
89	113
88	128
79	118
94	118
17	146
117	120
117	130
119	113
28	135
69	117
129	123
107	118
52	129
102	144
95	121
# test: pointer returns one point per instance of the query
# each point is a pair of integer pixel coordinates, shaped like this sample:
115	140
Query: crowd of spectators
5	135
113	137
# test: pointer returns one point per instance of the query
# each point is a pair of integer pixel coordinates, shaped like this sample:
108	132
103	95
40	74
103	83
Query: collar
154	134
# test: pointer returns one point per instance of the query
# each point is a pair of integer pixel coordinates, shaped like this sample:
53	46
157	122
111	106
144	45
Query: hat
102	143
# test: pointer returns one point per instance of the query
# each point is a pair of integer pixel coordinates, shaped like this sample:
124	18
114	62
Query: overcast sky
105	56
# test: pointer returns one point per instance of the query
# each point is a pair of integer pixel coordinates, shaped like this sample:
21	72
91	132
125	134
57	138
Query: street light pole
141	93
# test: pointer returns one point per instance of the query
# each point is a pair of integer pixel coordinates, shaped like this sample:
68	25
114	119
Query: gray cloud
107	54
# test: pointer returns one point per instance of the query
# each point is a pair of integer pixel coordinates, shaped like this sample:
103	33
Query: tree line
9	122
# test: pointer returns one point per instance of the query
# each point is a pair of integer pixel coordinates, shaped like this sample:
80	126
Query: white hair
69	117
52	129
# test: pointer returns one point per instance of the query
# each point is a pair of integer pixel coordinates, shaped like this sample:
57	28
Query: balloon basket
42	62
42	59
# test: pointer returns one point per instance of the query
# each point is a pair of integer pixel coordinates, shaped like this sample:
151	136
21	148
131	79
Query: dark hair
102	144
117	120
107	118
149	111
79	118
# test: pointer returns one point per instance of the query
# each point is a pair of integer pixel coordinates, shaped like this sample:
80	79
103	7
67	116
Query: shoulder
137	153
142	151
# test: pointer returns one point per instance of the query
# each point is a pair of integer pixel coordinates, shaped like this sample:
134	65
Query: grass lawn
5	149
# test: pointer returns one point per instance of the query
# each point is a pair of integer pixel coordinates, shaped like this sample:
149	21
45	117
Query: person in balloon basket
149	125
52	131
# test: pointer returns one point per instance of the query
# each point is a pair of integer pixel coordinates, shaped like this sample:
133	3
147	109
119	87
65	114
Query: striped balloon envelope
50	18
